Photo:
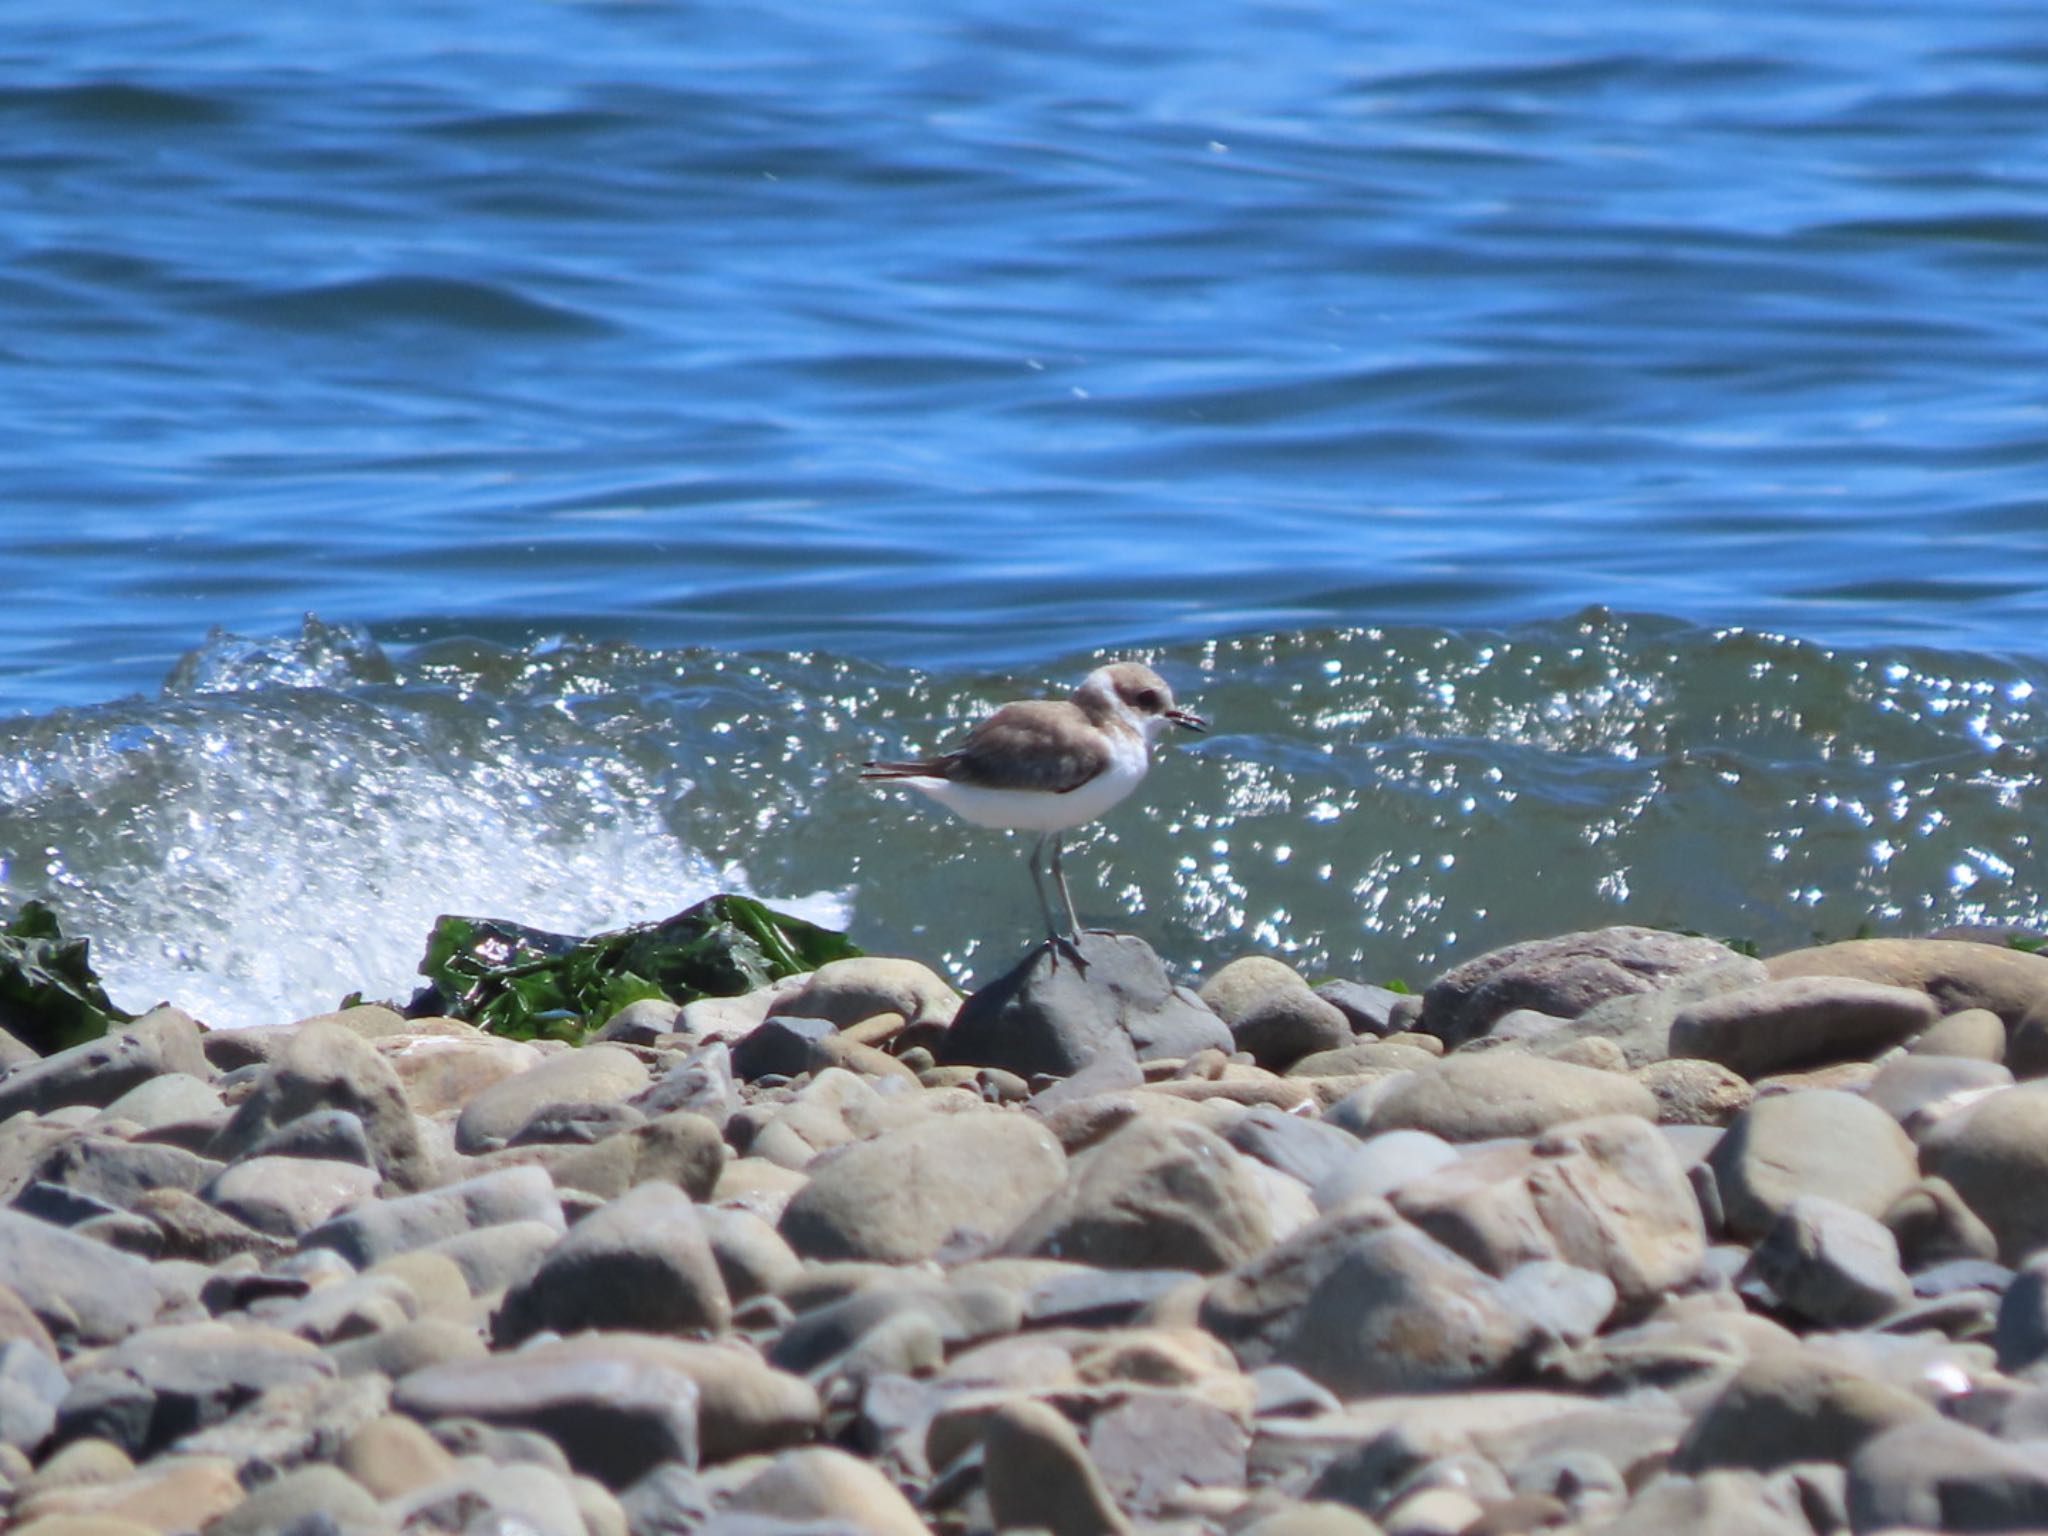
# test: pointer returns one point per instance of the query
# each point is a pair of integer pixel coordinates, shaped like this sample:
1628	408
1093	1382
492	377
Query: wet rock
80	1290
326	1066
372	1233
1799	1021
1817	1142
1995	1154
616	1411
285	1196
1833	1266
1564	976
1364	1303
594	1074
1937	1475
100	1071
1152	1196
1695	1092
1503	1093
1052	1018
817	1483
1791	1405
1975	1034
1289	1024
1039	1475
643	1262
898	1198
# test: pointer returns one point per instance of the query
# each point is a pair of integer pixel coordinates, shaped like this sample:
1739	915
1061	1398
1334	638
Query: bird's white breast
1031	810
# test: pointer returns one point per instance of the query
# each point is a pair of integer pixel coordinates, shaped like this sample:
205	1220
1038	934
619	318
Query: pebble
1132	1258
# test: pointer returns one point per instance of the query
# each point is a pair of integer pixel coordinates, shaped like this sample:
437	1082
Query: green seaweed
526	983
50	997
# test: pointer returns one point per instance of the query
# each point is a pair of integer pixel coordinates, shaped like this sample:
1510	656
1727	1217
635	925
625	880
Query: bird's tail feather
883	770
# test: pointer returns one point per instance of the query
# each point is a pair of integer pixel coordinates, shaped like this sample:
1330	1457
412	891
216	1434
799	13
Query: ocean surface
1590	462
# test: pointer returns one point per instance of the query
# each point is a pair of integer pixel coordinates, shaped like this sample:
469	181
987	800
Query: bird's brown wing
1042	744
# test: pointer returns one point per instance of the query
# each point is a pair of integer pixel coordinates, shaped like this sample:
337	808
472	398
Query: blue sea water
1601	447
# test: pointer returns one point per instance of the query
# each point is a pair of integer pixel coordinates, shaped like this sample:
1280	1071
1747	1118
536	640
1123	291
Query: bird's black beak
1187	720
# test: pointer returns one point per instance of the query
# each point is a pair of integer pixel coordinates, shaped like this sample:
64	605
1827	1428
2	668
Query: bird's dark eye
1149	700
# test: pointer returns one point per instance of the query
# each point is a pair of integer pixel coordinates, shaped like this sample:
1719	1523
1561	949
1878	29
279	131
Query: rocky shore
1620	1231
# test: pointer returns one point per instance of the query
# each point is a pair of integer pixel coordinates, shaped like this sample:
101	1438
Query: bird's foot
1068	945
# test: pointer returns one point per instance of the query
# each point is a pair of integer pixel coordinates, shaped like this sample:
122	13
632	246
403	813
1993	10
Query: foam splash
257	844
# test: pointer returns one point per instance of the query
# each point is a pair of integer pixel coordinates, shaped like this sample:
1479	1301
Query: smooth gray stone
82	1291
1099	1298
671	1500
1564	976
325	1065
576	1124
1503	1093
1154	1195
1050	1015
174	1098
100	1071
642	1022
1995	1154
372	1233
1039	1475
1714	1503
702	1083
1303	1149
1565	1302
1382	1165
1912	1088
900	1198
1790	1405
290	1424
285	1196
1369	1008
1812	1142
595	1074
753	1257
1938	1475
642	1263
615	1414
335	1135
1833	1266
1290	1023
1798	1022
31	1387
1933	1226
824	1335
308	1501
119	1172
1153	1445
162	1385
498	1257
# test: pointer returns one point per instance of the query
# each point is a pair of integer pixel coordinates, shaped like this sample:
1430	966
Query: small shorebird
1047	765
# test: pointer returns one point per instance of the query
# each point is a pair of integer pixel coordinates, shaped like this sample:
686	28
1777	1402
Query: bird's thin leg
1072	942
1052	931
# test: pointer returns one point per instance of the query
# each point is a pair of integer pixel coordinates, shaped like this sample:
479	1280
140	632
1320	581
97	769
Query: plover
1049	765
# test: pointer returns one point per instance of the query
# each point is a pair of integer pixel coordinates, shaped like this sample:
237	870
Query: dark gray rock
1155	1195
781	1046
1801	1021
1563	976
1366	1304
372	1233
1051	1015
1817	1141
643	1263
617	1414
83	1292
160	1386
898	1198
99	1071
1833	1266
1937	1475
1370	1009
2022	1335
823	1336
327	1066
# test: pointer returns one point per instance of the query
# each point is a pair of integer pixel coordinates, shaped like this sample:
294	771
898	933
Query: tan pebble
1415	1038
